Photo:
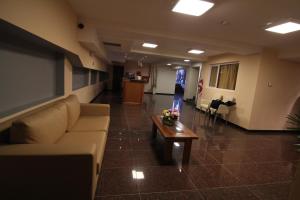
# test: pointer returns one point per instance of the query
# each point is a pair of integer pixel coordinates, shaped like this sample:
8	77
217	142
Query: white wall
166	79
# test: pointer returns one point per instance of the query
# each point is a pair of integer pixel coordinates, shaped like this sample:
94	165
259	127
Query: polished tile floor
226	162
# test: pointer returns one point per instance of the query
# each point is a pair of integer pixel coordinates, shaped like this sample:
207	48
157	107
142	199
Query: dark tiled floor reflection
226	162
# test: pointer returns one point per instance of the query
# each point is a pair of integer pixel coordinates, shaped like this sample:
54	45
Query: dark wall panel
80	77
28	77
94	75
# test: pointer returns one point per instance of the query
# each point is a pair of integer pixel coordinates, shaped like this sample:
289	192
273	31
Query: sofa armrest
47	171
94	109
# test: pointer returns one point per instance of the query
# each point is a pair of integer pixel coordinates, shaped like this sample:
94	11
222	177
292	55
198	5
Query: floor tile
118	144
117	159
226	162
146	158
117	181
279	191
163	179
210	176
122	133
122	197
234	193
182	195
201	158
250	174
232	156
142	144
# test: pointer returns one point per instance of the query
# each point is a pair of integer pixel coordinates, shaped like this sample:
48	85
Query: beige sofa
55	153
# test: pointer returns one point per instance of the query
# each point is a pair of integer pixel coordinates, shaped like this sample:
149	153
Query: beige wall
266	91
276	93
55	21
245	86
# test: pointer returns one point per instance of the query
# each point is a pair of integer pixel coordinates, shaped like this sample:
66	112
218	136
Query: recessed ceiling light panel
150	45
137	174
284	28
195	51
192	7
169	64
187	60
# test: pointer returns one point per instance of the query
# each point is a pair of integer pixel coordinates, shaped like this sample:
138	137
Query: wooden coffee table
176	133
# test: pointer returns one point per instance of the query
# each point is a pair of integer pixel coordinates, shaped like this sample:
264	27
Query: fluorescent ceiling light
178	67
192	7
187	60
169	64
195	51
137	174
176	144
284	28
150	45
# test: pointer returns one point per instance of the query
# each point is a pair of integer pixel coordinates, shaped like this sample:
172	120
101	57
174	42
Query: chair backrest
215	104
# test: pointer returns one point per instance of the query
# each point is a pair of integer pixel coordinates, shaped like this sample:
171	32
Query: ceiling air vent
112	44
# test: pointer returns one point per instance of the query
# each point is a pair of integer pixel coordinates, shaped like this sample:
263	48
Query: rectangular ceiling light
137	174
284	28
195	51
150	45
192	7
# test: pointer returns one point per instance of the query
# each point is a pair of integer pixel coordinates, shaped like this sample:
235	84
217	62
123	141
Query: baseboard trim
167	94
257	132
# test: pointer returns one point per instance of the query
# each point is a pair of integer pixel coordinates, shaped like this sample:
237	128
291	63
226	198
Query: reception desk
133	91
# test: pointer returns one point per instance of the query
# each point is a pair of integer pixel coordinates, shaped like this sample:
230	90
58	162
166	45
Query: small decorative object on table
169	116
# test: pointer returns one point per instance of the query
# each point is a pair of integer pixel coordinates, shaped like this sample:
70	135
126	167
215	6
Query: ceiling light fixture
195	51
150	45
169	64
284	28
178	67
187	60
176	144
192	7
137	174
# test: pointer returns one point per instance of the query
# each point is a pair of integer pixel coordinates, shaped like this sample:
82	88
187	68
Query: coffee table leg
187	151
154	130
168	148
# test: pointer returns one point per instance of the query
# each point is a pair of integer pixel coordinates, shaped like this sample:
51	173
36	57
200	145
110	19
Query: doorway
180	82
118	71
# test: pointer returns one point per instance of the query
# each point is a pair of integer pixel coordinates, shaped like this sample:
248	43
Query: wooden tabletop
176	131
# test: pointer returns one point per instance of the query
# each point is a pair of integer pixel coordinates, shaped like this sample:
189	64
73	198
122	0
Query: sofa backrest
73	108
44	127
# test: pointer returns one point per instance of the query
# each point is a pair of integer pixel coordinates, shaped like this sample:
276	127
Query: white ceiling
132	22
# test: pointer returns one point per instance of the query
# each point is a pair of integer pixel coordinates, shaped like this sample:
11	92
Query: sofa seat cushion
43	127
91	123
97	137
73	107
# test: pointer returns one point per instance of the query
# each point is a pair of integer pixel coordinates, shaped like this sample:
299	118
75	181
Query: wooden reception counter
133	91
